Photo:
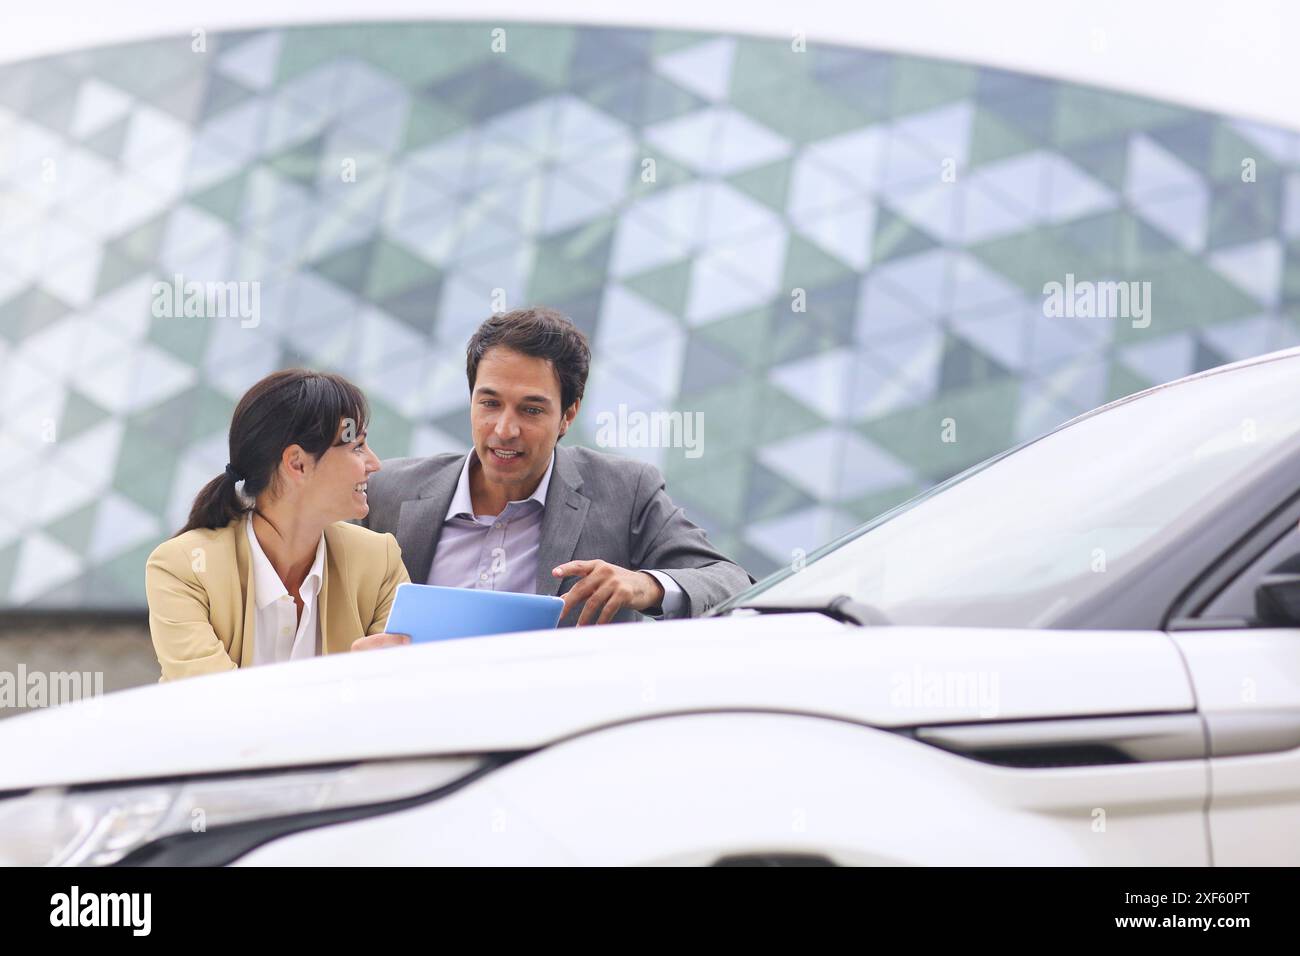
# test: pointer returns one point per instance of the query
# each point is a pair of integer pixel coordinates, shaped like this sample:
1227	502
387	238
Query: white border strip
1236	58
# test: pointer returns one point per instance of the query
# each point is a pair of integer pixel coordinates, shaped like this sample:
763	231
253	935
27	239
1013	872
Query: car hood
522	691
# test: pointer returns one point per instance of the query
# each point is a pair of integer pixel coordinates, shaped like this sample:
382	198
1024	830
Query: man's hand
371	641
607	588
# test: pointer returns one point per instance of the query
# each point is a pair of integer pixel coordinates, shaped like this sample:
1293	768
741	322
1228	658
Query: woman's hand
372	641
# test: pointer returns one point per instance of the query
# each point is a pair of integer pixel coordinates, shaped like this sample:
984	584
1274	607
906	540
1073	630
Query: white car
1084	651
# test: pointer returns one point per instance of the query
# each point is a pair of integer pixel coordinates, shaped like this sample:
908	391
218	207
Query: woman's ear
294	461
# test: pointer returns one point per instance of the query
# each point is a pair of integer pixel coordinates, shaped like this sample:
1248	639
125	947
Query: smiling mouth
501	454
361	488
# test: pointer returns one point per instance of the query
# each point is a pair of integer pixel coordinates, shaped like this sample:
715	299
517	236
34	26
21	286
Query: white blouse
279	634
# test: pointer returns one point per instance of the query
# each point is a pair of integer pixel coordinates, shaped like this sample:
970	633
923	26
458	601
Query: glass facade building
832	260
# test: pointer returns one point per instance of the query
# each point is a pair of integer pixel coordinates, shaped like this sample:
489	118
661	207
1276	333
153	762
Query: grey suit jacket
598	506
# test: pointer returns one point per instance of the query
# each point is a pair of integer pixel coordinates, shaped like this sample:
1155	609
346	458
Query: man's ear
570	414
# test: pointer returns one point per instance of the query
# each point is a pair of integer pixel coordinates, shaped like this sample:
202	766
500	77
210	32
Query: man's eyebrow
485	390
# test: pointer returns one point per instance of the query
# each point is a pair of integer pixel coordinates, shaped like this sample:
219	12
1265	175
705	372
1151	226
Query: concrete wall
119	650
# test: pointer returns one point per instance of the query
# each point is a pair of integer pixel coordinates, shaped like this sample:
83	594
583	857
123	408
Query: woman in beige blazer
267	568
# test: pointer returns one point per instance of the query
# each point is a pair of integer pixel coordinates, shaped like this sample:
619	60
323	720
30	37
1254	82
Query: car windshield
1024	537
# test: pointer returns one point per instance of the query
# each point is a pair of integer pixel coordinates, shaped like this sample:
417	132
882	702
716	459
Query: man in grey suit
521	513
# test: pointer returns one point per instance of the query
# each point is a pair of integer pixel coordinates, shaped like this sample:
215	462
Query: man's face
516	418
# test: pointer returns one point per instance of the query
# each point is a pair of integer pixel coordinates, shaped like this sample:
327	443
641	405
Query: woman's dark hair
295	406
539	332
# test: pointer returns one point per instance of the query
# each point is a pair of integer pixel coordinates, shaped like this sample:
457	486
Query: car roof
1279	355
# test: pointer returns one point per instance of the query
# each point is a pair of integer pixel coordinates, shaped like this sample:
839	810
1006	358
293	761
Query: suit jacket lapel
419	520
566	510
337	602
244	567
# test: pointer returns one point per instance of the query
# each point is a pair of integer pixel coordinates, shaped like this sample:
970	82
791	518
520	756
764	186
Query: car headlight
64	826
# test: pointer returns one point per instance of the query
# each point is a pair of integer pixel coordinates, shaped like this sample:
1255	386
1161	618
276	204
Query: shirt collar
463	503
267	586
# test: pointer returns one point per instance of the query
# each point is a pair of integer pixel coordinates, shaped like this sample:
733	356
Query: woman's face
337	486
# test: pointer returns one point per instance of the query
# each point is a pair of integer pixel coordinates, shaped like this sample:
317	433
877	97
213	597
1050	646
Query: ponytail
218	504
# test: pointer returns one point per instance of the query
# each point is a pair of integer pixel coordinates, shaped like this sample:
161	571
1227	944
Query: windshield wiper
841	607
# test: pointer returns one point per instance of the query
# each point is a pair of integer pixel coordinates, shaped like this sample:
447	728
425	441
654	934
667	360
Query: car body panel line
1127	739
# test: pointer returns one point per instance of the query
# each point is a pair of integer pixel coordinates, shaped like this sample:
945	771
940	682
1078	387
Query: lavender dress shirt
499	552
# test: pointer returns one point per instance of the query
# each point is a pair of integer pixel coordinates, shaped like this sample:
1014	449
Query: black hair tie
234	475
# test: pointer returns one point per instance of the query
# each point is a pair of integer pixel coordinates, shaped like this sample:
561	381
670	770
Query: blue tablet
431	613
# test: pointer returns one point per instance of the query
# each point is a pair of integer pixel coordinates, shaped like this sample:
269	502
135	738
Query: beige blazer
200	591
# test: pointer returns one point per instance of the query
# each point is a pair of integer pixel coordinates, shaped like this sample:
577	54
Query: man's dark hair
542	333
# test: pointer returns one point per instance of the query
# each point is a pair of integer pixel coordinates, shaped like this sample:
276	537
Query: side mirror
1277	599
